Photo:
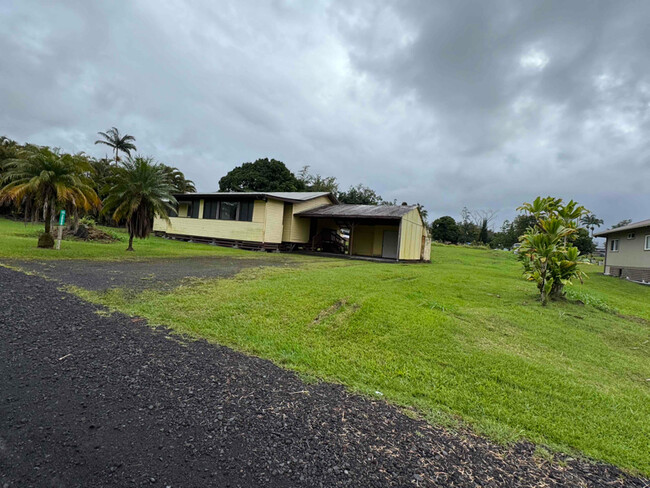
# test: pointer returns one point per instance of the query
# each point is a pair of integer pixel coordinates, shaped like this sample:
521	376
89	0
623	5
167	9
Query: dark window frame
248	213
211	205
222	207
191	214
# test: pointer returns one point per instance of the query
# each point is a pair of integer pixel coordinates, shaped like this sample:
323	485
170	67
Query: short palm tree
591	221
113	139
48	178
140	189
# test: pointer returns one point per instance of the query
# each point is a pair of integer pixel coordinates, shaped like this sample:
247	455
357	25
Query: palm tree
591	221
47	178
178	180
113	139
140	189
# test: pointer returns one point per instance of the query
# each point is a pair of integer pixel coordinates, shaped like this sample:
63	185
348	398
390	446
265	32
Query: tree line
473	229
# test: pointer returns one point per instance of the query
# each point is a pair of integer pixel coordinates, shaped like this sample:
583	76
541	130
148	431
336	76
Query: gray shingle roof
359	211
633	225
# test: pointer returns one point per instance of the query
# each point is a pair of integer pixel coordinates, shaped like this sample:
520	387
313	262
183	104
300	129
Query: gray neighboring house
628	251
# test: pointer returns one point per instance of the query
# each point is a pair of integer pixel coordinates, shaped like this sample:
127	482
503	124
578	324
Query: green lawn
18	241
461	338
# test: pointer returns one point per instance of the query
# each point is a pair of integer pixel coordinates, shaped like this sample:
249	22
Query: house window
172	211
228	210
210	208
647	243
193	210
246	211
631	235
613	246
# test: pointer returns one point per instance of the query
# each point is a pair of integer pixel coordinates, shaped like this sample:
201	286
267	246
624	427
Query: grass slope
463	338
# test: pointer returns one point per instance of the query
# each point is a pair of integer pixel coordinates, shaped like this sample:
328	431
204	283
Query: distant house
628	251
308	221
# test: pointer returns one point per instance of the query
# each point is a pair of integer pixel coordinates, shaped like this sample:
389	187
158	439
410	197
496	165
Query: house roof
288	196
359	211
634	225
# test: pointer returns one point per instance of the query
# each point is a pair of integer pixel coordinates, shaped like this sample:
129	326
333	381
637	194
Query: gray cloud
484	104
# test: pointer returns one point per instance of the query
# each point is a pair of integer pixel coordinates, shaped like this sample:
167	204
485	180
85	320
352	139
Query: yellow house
298	221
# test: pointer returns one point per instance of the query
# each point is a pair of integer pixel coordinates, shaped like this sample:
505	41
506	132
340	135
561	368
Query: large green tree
48	178
119	143
264	175
444	229
140	190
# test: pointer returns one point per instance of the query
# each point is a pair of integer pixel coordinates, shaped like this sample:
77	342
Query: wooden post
351	237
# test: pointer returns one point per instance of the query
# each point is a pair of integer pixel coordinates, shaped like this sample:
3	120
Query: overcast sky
483	104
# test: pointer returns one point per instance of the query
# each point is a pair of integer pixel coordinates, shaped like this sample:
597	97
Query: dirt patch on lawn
157	274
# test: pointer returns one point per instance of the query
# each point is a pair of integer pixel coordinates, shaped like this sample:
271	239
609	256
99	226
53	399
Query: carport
394	232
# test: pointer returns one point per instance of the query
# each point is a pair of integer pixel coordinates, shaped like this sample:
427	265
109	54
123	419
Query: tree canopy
360	195
44	177
444	229
264	175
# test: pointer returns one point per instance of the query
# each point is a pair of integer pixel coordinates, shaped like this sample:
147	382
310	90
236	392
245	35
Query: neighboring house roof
288	196
634	225
359	211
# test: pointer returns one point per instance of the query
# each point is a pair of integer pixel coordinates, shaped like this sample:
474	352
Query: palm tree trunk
28	208
130	248
48	216
76	218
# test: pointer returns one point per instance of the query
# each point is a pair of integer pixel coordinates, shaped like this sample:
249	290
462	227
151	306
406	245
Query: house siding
299	227
412	236
273	221
217	229
631	253
631	261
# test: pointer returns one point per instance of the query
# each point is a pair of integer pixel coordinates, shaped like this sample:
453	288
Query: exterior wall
287	221
182	209
299	228
218	229
412	236
631	261
159	225
630	252
368	240
363	240
273	221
